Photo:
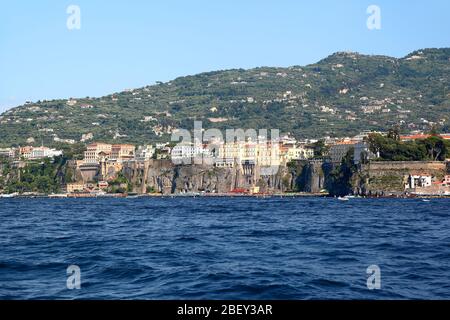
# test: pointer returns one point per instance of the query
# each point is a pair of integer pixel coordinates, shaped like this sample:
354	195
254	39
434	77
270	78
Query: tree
341	176
394	133
447	147
391	149
320	149
436	148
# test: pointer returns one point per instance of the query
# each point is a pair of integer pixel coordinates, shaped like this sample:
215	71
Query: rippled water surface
224	248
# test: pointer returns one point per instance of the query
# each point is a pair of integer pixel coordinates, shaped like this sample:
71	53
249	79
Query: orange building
25	152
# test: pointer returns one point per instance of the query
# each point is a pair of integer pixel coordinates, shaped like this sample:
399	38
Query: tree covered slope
338	96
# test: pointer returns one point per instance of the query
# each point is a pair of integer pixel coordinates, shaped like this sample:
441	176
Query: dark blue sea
224	248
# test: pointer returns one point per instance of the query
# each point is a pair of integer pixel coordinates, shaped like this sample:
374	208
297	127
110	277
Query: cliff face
205	178
165	177
311	176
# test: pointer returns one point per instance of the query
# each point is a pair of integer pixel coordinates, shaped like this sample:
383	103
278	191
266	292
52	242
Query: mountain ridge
339	95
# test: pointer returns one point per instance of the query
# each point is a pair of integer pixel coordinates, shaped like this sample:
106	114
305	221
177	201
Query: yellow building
292	153
93	151
75	187
121	152
109	169
263	154
97	152
268	154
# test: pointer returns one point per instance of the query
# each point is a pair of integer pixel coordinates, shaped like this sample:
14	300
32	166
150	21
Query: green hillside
338	96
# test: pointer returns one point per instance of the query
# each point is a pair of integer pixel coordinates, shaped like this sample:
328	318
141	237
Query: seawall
390	177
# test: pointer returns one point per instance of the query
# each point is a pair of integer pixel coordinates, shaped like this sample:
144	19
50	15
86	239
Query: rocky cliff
165	177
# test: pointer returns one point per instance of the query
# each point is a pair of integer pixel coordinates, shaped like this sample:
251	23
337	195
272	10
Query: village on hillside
105	165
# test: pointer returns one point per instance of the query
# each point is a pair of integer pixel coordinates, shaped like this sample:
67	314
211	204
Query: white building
8	152
144	153
364	134
87	136
44	152
162	145
68	141
419	181
298	153
185	152
286	140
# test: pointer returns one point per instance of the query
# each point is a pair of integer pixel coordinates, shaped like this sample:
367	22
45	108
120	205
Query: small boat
189	194
426	200
57	195
343	198
11	195
133	197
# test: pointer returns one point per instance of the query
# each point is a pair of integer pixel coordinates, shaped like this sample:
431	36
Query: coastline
214	195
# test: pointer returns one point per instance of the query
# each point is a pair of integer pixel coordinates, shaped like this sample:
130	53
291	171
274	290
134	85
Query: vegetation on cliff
120	184
391	148
340	178
39	177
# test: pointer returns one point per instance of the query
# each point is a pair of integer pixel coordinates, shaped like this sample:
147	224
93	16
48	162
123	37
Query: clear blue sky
128	44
